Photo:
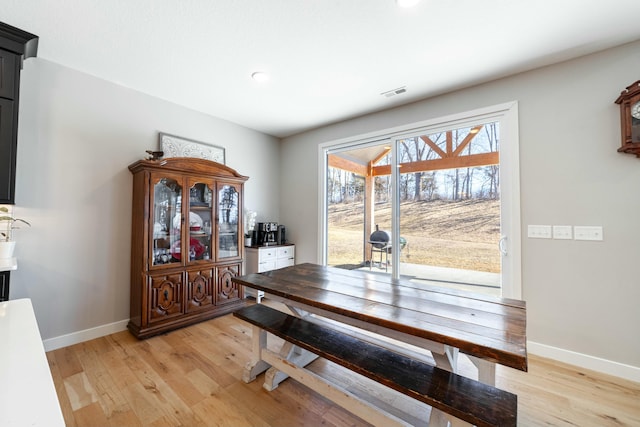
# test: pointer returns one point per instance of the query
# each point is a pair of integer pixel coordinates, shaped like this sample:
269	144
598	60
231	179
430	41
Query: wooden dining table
443	321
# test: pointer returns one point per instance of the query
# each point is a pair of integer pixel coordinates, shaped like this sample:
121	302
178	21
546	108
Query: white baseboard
627	372
85	335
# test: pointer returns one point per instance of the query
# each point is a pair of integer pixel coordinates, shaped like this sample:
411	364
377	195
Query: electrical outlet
562	232
587	232
539	231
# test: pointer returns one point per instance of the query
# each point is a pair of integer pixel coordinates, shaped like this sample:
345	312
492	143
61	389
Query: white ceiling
329	60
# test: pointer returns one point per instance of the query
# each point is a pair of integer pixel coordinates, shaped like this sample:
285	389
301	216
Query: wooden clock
629	101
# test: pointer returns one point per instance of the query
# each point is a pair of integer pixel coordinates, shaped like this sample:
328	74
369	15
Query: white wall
77	136
583	298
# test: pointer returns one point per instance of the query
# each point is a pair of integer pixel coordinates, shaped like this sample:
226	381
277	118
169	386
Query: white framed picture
176	146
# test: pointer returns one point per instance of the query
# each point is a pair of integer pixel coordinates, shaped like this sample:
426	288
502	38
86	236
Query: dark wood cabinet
8	146
15	45
186	243
5	276
9	73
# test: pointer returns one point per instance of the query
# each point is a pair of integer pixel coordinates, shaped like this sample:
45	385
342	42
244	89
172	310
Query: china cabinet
186	243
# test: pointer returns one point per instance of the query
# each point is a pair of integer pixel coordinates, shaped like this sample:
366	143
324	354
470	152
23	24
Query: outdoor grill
380	241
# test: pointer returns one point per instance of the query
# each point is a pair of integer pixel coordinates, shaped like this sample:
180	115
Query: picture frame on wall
177	146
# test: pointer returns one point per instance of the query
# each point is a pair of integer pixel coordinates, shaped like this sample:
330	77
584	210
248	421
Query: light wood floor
192	377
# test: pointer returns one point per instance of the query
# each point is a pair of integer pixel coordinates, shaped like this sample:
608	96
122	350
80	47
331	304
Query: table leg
486	370
447	360
297	311
440	419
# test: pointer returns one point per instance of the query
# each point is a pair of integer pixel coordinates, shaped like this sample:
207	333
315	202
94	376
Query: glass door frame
239	233
507	115
365	232
154	179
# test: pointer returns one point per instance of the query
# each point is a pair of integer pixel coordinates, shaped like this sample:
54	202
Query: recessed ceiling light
407	3
260	76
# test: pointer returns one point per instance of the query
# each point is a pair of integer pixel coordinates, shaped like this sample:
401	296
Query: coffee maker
267	234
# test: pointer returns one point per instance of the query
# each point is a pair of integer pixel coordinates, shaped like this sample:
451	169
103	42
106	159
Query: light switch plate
562	232
587	232
539	231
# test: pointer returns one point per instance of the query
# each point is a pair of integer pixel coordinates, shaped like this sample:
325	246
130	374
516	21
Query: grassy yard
462	234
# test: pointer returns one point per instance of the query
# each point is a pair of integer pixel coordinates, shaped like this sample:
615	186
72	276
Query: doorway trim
507	115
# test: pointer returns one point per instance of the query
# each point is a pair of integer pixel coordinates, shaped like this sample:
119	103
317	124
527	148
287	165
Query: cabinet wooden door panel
165	297
227	291
7	74
199	290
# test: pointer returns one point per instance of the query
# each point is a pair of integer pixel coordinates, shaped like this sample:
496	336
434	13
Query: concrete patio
468	280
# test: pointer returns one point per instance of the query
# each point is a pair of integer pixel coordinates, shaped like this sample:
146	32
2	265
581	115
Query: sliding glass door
430	204
449	207
357	201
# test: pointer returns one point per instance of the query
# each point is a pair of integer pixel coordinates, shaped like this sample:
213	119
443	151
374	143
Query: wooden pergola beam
433	146
380	156
472	134
347	165
470	161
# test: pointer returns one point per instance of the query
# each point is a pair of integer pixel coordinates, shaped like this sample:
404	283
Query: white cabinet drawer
284	262
285	252
267	258
267	254
267	266
264	259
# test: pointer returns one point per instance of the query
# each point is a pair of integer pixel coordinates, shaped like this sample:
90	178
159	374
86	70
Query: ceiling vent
394	92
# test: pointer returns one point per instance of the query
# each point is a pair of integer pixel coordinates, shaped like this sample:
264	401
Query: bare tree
428	185
492	172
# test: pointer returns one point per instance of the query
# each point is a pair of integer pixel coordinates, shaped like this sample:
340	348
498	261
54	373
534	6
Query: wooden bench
461	397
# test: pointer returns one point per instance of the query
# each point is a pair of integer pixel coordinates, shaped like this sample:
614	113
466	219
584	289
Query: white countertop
27	393
8	264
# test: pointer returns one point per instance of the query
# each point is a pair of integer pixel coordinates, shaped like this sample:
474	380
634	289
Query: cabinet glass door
200	202
229	211
166	219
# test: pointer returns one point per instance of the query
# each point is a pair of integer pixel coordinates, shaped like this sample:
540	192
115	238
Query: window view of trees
448	184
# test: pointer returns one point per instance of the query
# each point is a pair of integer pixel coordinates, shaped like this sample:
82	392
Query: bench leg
256	365
293	355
